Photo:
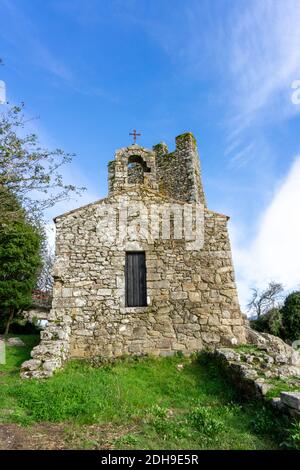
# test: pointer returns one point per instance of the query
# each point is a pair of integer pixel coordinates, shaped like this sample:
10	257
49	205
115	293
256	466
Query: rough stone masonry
191	292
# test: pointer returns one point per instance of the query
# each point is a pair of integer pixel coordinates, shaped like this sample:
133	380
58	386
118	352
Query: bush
263	421
293	437
283	322
260	324
275	321
291	316
270	322
203	419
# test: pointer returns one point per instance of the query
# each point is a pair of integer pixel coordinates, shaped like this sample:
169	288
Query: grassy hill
134	403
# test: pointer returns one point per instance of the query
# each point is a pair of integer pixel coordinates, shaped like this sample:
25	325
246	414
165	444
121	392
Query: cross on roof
135	134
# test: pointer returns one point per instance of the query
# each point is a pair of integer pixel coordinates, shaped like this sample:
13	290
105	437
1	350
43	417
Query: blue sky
93	70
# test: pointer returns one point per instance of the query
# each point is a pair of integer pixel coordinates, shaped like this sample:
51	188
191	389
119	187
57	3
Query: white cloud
274	253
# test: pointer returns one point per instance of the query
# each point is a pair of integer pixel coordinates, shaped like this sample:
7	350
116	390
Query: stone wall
179	174
192	300
265	365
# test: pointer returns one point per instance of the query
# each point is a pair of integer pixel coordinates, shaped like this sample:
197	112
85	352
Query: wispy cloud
274	252
264	55
251	49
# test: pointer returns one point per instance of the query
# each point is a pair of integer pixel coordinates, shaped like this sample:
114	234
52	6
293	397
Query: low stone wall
264	364
51	353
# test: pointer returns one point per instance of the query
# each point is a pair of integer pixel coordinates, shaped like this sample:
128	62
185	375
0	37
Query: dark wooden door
135	279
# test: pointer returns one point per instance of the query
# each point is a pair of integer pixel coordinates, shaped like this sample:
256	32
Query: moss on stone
185	136
160	146
280	385
247	348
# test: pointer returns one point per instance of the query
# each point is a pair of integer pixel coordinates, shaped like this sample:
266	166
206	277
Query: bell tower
132	165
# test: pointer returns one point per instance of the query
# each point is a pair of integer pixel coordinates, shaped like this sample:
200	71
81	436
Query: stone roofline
117	193
133	147
185	135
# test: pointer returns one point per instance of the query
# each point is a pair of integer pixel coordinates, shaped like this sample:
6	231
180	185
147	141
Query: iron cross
135	134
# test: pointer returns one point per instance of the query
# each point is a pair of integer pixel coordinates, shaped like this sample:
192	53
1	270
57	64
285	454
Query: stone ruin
146	270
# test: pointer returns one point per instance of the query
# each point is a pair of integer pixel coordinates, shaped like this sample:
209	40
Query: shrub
275	321
263	421
293	440
260	324
203	419
291	316
270	322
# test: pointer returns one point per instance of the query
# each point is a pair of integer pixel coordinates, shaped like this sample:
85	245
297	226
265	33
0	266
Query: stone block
80	302
195	296
291	399
179	295
104	292
67	292
32	364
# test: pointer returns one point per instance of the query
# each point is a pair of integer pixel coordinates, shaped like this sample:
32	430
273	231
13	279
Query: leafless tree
263	301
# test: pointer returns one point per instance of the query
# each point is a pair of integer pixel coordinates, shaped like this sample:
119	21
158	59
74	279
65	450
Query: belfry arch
132	165
135	169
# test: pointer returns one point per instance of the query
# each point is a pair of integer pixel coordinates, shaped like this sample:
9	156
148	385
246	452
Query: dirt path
41	436
49	436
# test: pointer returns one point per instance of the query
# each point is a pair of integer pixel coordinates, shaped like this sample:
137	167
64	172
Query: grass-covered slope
160	403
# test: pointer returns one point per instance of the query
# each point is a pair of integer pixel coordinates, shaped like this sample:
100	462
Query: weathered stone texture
178	173
192	298
257	369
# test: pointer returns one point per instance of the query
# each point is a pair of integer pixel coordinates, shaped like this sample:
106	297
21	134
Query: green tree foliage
291	316
19	262
275	321
270	322
282	321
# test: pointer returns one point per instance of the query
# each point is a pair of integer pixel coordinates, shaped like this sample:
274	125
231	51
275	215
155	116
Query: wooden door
135	279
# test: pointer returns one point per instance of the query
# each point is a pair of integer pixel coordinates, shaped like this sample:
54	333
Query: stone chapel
146	270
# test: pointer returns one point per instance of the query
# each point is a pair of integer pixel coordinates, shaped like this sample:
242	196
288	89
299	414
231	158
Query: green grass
161	406
288	384
247	348
280	385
